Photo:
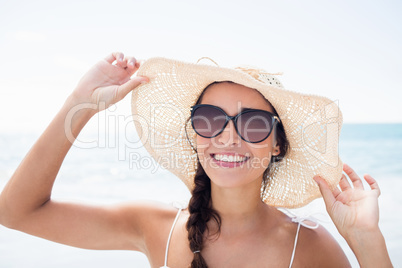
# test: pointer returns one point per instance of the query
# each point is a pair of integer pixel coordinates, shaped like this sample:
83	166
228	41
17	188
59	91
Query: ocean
103	169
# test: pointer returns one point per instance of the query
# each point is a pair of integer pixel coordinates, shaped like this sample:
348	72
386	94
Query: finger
372	182
130	85
357	182
122	63
336	192
115	56
327	194
131	62
132	65
344	183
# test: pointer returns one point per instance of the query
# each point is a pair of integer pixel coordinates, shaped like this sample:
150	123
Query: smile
229	160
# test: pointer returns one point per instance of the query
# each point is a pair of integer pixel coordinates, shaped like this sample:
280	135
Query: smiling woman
225	162
261	148
234	166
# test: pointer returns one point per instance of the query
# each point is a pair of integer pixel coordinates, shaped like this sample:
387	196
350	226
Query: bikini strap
300	221
180	206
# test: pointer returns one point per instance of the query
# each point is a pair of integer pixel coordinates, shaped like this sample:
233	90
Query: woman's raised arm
355	214
25	202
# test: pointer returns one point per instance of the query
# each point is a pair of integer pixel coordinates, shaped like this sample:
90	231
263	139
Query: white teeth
229	158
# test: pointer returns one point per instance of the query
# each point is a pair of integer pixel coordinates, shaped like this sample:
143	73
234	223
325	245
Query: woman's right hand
26	202
108	81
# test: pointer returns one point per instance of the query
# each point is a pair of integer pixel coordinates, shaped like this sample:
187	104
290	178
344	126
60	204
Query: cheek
202	145
267	159
262	160
262	154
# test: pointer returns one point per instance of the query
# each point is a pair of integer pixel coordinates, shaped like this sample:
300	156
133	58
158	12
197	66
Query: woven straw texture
312	125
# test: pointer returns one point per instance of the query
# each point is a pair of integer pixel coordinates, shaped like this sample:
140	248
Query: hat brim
312	125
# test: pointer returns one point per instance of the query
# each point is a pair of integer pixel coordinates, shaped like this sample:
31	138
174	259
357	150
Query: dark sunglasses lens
208	121
254	126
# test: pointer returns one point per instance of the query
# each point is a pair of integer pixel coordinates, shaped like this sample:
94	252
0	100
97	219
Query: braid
201	212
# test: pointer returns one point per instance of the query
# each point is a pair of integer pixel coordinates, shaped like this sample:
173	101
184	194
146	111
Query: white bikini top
297	219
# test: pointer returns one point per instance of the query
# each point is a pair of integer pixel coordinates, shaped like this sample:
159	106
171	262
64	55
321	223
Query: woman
226	224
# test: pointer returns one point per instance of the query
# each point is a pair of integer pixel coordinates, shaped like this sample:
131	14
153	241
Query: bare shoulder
318	248
152	221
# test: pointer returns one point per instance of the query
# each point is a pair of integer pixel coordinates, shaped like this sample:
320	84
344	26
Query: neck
240	208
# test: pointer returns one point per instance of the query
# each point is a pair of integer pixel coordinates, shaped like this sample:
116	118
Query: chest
253	250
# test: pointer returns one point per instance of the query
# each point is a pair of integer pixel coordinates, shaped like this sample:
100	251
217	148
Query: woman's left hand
351	208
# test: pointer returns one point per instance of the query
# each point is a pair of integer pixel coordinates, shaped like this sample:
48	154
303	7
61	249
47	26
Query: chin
230	178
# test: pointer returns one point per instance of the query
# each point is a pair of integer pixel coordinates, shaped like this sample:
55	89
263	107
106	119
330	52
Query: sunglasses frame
274	118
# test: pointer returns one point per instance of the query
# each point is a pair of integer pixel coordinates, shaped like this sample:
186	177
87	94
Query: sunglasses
251	125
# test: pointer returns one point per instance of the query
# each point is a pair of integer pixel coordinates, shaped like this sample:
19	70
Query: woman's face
220	156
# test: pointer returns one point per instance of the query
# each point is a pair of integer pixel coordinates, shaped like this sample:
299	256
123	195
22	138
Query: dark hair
200	205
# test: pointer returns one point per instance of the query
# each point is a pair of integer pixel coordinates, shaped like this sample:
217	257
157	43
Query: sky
348	51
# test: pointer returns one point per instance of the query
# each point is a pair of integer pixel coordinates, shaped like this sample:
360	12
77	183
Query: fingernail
144	81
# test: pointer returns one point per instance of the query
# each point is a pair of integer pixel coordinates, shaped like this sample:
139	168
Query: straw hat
161	109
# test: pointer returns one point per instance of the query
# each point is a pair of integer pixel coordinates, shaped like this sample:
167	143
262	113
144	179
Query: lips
229	157
229	160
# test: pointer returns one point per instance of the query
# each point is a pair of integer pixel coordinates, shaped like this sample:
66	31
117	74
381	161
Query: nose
229	135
